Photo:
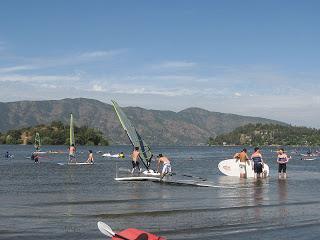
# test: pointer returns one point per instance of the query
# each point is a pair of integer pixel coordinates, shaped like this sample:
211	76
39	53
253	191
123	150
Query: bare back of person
243	158
135	155
166	169
90	157
164	160
72	153
72	150
135	159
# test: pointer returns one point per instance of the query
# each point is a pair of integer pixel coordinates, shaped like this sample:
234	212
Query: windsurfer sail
71	131
37	142
135	138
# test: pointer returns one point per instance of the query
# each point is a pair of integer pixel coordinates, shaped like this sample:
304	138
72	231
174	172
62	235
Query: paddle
106	230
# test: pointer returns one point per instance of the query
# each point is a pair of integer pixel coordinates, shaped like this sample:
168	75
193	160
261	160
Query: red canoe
136	234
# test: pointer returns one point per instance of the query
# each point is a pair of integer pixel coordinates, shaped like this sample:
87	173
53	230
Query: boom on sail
135	138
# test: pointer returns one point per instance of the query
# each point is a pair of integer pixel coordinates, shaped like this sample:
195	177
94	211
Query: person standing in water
243	159
90	157
135	159
72	153
166	169
35	157
257	162
282	160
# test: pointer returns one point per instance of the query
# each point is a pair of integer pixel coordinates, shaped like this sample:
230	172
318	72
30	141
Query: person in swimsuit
243	159
135	159
72	153
257	162
166	169
282	160
90	157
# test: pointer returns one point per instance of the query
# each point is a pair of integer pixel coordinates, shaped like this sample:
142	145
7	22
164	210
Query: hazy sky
257	58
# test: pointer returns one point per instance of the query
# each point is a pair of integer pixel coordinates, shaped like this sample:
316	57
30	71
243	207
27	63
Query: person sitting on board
90	157
135	159
166	169
121	155
7	155
72	153
257	162
282	160
243	158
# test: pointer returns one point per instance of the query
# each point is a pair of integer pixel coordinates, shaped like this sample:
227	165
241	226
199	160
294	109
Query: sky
254	58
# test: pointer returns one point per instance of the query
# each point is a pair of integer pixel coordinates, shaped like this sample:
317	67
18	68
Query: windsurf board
80	163
230	167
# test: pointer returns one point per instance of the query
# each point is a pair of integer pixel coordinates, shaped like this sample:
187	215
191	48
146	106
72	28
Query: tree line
269	134
55	133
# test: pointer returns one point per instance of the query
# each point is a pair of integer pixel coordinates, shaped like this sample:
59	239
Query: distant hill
269	134
192	126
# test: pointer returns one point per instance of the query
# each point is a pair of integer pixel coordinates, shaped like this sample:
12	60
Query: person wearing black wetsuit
257	162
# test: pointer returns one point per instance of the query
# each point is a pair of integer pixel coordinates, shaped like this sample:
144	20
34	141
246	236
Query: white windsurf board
230	167
169	181
80	163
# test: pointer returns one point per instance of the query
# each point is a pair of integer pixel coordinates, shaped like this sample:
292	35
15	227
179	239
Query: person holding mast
135	159
72	153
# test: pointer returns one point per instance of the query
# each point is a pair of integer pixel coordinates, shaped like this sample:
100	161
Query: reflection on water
258	191
282	197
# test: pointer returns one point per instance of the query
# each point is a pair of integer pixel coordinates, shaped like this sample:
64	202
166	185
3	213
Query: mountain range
192	126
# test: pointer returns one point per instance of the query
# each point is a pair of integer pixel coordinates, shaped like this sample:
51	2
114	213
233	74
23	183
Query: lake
49	201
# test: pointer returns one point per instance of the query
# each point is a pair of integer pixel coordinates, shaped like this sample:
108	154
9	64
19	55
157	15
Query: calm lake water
48	201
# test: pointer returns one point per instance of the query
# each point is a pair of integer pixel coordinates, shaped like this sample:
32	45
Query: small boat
308	158
110	155
127	234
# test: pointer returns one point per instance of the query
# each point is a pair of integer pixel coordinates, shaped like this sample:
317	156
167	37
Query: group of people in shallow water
161	159
258	163
72	155
242	157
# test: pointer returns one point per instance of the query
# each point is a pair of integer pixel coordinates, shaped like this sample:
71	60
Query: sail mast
72	141
135	138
